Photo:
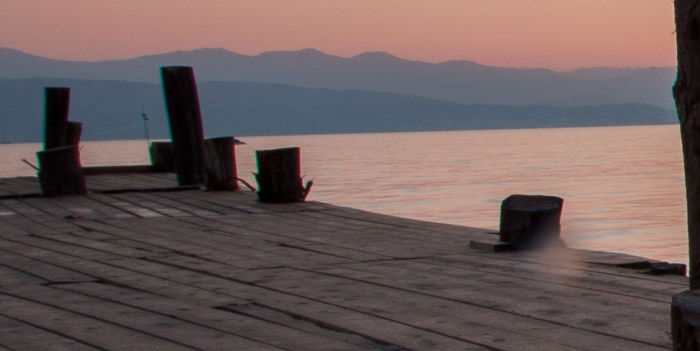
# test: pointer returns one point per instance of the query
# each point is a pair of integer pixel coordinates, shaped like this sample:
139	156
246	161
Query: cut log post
162	156
60	172
529	221
220	162
74	131
686	92
279	175
685	307
185	119
56	105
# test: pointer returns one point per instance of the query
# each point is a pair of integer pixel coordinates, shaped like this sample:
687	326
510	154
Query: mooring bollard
220	163
531	220
279	175
685	320
184	115
162	156
60	172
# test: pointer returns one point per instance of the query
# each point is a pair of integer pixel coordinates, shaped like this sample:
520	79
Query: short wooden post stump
685	321
279	175
220	164
60	172
162	156
529	221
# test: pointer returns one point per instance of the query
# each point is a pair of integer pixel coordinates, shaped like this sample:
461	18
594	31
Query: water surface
623	186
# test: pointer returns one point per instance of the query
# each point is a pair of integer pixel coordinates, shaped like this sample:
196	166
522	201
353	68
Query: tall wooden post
182	102
687	95
685	307
60	171
56	105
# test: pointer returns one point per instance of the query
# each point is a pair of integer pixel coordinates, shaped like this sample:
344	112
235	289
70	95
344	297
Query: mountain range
308	91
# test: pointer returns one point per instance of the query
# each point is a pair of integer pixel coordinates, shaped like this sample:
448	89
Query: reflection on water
623	186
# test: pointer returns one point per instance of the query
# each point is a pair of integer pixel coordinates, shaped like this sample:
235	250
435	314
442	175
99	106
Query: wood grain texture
203	270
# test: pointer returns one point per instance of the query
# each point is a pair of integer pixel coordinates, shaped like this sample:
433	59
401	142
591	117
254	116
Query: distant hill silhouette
462	82
111	110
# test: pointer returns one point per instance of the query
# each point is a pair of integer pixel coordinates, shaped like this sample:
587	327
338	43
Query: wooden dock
140	264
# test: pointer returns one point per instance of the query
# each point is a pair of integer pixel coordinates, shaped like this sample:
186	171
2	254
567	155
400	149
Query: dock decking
195	270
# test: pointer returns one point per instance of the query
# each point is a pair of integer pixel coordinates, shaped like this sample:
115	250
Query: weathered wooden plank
251	236
250	327
176	201
193	204
211	286
440	314
19	336
19	186
556	302
86	207
90	331
10	276
463	266
102	205
38	268
109	247
237	203
135	273
30	213
160	325
449	313
157	204
188	238
130	207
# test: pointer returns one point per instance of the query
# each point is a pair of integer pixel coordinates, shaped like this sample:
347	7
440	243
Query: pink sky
557	34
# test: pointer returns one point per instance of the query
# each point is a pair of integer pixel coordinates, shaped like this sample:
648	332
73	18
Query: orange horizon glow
560	35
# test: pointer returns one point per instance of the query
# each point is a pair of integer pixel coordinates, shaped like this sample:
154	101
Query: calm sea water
623	186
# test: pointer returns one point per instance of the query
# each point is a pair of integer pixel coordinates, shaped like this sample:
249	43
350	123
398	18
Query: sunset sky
556	34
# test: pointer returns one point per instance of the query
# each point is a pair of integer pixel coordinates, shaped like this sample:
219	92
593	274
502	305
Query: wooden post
220	162
185	118
687	95
56	105
60	172
279	175
162	156
531	220
685	307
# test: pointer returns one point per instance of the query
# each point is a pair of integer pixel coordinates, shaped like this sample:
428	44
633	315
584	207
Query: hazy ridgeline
308	92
